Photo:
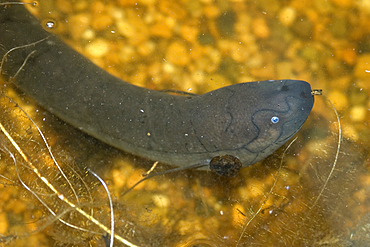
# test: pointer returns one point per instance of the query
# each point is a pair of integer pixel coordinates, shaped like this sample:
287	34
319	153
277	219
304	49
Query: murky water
306	196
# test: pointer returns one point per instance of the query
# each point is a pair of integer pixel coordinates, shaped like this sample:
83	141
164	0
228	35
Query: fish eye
275	119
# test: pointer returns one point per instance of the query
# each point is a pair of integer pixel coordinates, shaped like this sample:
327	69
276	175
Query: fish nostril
304	95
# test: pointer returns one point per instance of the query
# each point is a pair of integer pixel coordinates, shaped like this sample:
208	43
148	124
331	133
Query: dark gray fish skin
177	130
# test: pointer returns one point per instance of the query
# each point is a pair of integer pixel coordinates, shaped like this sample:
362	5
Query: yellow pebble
77	24
135	177
213	54
168	68
98	48
126	29
146	48
172	9
338	99
161	30
212	11
80	5
147	2
343	3
350	132
178	54
161	201
126	54
98	7
358	113
238	214
362	68
287	16
189	33
360	195
239	53
317	147
3	223
88	34
119	178
102	22
260	28
16	206
127	3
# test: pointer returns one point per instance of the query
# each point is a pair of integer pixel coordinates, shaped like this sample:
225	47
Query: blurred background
307	196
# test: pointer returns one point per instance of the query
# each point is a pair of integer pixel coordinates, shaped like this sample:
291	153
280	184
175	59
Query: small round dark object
225	165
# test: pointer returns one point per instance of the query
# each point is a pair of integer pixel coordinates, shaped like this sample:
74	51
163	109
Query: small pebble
102	22
287	16
212	11
97	7
189	33
80	5
349	55
178	54
260	28
362	67
88	34
97	48
146	48
119	178
125	28
3	224
161	201
343	3
169	68
363	5
185	227
317	147
339	100
172	9
77	24
135	177
148	2
237	217
239	52
214	55
127	3
350	132
16	206
127	54
161	30
358	113
116	13
361	196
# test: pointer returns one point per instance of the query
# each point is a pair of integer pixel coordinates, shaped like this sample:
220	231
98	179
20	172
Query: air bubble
50	24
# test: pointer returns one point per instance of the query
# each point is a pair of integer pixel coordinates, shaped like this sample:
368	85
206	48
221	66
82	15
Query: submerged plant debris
303	195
